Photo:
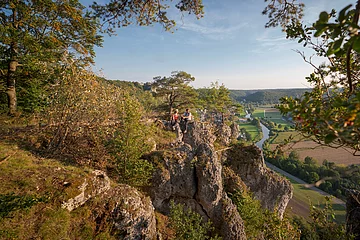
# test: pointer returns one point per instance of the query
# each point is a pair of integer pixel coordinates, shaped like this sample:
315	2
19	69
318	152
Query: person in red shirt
175	118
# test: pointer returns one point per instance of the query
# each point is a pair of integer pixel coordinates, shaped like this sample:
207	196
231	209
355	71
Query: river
265	132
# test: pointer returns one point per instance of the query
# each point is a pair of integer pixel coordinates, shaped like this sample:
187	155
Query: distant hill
266	95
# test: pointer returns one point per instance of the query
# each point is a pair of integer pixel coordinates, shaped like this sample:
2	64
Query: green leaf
320	28
330	49
330	138
342	13
356	45
324	17
337	45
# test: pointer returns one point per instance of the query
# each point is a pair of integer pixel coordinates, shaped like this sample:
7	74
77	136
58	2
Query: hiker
174	119
186	117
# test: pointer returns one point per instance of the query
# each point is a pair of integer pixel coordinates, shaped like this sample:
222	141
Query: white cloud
209	30
272	40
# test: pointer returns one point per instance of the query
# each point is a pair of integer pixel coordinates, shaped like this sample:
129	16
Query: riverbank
304	193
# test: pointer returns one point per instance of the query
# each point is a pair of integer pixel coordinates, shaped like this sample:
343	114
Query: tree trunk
10	81
13	63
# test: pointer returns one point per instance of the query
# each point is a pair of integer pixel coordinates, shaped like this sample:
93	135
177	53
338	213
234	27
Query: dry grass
321	153
26	176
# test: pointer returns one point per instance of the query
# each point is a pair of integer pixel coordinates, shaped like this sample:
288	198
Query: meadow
281	137
255	133
299	205
271	114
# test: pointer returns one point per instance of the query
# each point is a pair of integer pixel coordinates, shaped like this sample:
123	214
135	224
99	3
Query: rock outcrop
199	133
223	133
273	191
192	175
235	130
96	184
130	212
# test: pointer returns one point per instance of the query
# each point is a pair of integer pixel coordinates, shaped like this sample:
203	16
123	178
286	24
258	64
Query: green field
306	195
271	114
255	133
280	137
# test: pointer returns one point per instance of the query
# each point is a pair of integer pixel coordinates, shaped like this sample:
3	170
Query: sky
229	44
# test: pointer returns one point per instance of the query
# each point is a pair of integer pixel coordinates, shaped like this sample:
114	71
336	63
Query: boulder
132	214
273	191
97	183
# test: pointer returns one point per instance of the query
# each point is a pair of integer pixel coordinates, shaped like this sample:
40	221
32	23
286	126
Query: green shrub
189	225
131	140
262	223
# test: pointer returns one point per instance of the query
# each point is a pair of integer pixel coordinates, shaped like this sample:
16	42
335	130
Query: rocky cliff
192	174
273	191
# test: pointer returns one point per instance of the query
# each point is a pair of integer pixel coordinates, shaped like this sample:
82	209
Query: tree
294	155
120	13
313	177
175	90
309	160
130	142
36	34
283	12
329	113
216	98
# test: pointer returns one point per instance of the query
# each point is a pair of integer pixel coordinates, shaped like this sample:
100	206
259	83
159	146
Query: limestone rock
232	226
194	179
132	214
273	191
232	181
235	130
223	133
213	198
175	177
198	133
209	181
98	183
